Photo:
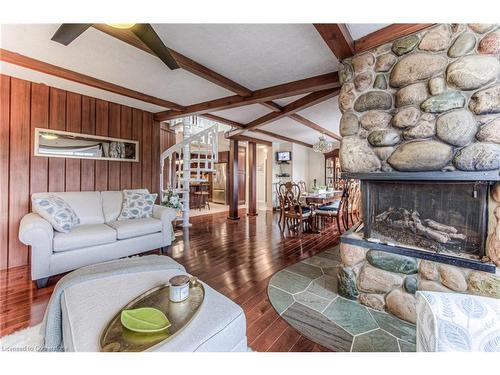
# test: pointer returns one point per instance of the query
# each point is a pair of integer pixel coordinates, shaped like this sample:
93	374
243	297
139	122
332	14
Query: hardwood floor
235	258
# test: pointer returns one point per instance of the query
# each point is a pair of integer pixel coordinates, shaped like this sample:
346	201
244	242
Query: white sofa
99	237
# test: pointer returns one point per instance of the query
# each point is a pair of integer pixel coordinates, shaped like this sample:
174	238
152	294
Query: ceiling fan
68	32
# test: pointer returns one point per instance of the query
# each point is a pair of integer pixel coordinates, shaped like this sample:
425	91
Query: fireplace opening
442	217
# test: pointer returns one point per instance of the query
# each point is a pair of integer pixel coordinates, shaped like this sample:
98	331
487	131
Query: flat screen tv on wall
283	156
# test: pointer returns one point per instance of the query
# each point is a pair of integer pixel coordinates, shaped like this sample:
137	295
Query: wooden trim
40	66
307	85
310	124
298	105
338	39
282	137
388	34
184	62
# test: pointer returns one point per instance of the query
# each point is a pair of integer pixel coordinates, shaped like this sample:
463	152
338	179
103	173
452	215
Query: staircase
187	161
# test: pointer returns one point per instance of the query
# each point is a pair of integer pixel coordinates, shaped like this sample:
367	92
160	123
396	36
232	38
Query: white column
186	169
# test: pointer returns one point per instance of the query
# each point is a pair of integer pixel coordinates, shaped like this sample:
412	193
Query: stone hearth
388	282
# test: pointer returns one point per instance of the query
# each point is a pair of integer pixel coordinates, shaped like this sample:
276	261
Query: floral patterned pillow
137	205
57	212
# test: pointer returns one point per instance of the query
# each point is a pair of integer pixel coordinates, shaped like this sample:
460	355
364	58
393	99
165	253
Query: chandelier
323	145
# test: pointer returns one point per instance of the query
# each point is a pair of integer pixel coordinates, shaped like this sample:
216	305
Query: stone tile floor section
305	295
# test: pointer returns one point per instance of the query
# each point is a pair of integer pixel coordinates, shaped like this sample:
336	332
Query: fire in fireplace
442	217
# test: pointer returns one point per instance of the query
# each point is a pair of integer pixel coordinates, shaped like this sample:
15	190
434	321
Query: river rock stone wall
426	102
386	281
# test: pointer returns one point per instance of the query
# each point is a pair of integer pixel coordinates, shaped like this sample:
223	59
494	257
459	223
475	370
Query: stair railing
178	160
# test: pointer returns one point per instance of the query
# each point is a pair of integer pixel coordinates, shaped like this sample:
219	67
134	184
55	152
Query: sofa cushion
84	236
86	204
137	205
136	227
112	203
57	212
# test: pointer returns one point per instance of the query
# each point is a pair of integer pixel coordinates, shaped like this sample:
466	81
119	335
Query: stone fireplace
421	130
443	219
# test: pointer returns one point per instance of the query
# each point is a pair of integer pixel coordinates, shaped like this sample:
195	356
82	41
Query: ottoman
450	322
87	307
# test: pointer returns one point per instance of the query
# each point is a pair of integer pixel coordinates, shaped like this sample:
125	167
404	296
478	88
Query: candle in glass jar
179	288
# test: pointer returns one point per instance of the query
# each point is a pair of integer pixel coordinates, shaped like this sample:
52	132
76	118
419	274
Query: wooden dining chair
335	211
353	203
302	186
295	214
280	189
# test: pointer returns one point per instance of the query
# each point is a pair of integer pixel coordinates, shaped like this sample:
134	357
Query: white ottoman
87	307
450	322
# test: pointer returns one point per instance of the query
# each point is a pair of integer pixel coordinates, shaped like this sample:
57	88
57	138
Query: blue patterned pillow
57	212
137	205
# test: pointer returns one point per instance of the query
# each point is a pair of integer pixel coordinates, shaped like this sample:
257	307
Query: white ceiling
325	114
244	114
254	55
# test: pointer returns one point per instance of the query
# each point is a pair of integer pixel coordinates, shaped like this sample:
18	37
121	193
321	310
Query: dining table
322	198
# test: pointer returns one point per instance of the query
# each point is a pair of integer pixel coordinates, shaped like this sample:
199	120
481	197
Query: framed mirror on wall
62	144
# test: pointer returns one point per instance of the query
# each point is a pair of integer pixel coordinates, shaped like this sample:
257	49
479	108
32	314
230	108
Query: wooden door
242	168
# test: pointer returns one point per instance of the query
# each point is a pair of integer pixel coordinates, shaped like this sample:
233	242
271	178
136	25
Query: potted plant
171	199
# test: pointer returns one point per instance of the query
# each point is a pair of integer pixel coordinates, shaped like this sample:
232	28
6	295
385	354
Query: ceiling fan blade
146	33
68	32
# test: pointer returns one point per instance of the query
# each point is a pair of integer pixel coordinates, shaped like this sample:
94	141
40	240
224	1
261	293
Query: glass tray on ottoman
116	338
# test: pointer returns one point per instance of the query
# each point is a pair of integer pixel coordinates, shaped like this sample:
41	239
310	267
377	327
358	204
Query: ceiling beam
268	133
298	105
246	138
321	82
338	39
184	62
312	125
222	120
304	121
43	67
282	137
388	34
201	71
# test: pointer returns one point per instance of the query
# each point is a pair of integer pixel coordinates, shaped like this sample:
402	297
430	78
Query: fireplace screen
446	217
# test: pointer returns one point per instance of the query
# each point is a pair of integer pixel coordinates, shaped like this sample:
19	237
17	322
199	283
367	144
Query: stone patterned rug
305	295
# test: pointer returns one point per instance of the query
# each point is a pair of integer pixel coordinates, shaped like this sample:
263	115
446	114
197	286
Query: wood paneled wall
25	106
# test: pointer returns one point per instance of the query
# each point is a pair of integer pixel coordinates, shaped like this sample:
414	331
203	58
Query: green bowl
144	320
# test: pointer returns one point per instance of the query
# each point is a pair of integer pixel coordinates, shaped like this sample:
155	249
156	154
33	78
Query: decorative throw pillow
137	205
57	212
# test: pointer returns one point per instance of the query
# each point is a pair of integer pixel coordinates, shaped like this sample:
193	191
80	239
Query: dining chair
295	214
334	211
303	191
353	203
280	188
302	186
